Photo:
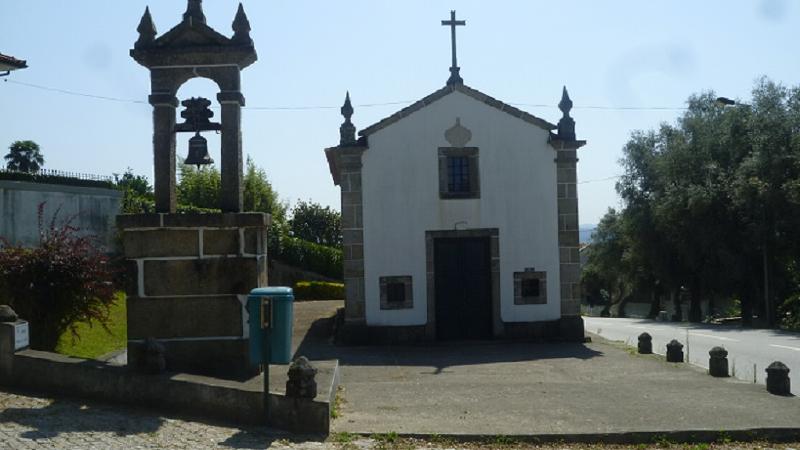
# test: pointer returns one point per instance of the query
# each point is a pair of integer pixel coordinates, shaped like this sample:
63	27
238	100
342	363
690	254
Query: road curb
624	437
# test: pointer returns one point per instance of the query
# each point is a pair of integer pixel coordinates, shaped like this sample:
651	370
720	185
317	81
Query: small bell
198	152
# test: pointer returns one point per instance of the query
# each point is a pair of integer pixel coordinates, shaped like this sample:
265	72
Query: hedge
54	179
326	261
318	290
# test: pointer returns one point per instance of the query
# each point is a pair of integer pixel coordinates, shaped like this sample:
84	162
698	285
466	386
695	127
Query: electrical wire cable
361	105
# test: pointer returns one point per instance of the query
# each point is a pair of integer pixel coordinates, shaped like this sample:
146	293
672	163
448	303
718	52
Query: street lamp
9	63
725	101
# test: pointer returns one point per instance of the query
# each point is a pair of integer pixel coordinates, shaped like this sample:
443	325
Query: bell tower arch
193	49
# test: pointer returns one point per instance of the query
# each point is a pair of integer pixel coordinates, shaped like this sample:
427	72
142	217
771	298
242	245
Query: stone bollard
301	383
778	379
645	344
718	362
155	360
14	336
7	315
674	351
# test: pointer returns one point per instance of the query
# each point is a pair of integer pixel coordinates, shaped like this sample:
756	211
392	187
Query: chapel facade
459	221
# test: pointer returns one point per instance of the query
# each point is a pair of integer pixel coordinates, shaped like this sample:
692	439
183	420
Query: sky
628	65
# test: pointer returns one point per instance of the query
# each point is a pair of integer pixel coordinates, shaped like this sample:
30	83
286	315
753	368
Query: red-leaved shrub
65	280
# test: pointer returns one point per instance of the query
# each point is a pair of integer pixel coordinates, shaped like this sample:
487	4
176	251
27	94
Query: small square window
395	293
530	288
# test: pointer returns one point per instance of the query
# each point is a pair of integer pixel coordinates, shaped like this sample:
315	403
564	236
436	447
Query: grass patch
93	340
338	401
388	438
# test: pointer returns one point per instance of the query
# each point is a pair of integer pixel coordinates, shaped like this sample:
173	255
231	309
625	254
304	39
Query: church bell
198	152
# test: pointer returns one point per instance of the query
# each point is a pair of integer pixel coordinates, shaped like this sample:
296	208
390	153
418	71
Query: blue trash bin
271	314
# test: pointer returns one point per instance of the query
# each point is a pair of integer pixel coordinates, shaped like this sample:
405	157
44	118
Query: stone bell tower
190	273
193	49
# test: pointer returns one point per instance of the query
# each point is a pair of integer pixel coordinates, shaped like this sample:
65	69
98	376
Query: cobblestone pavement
30	422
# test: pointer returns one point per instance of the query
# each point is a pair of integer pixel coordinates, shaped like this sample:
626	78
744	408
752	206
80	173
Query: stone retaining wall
193	395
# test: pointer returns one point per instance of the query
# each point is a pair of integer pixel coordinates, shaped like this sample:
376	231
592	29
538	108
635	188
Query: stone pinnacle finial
565	105
147	29
347	108
194	11
241	27
566	126
347	132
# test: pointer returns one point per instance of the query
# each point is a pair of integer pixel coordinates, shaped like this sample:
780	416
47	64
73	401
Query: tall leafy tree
24	156
313	222
259	194
711	206
137	192
138	184
199	188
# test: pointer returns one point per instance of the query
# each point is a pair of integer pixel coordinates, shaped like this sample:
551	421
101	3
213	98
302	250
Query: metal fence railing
63	174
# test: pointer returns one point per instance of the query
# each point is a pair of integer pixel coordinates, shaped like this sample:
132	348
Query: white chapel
459	220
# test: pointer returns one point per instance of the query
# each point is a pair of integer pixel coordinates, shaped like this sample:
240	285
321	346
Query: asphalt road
749	351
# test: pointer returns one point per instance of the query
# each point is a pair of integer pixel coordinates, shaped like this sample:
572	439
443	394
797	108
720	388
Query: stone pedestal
189	276
718	362
571	329
778	382
301	382
674	351
13	338
645	346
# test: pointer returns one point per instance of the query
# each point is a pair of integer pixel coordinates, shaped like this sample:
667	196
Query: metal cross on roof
455	78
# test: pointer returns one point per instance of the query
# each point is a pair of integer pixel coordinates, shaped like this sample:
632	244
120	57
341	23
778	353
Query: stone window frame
406	280
530	274
472	155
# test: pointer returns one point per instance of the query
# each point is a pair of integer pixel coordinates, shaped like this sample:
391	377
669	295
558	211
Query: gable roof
464	89
193	43
190	33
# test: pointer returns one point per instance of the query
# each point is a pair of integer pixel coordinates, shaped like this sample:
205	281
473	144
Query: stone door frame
494	274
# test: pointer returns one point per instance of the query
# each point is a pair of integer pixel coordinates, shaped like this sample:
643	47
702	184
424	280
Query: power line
78	94
362	105
600	179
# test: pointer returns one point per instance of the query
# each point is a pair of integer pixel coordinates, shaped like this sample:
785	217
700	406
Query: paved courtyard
534	389
492	388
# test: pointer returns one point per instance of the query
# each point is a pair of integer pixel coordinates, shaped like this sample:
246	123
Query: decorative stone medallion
458	135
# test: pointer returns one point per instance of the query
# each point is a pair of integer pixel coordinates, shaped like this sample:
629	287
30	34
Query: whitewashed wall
92	210
400	178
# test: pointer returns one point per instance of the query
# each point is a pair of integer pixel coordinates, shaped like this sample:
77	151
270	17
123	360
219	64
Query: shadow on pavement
316	344
65	416
258	439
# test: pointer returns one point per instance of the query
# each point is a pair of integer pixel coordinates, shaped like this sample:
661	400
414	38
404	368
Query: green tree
315	223
138	184
711	206
259	194
137	192
606	273
199	188
24	156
